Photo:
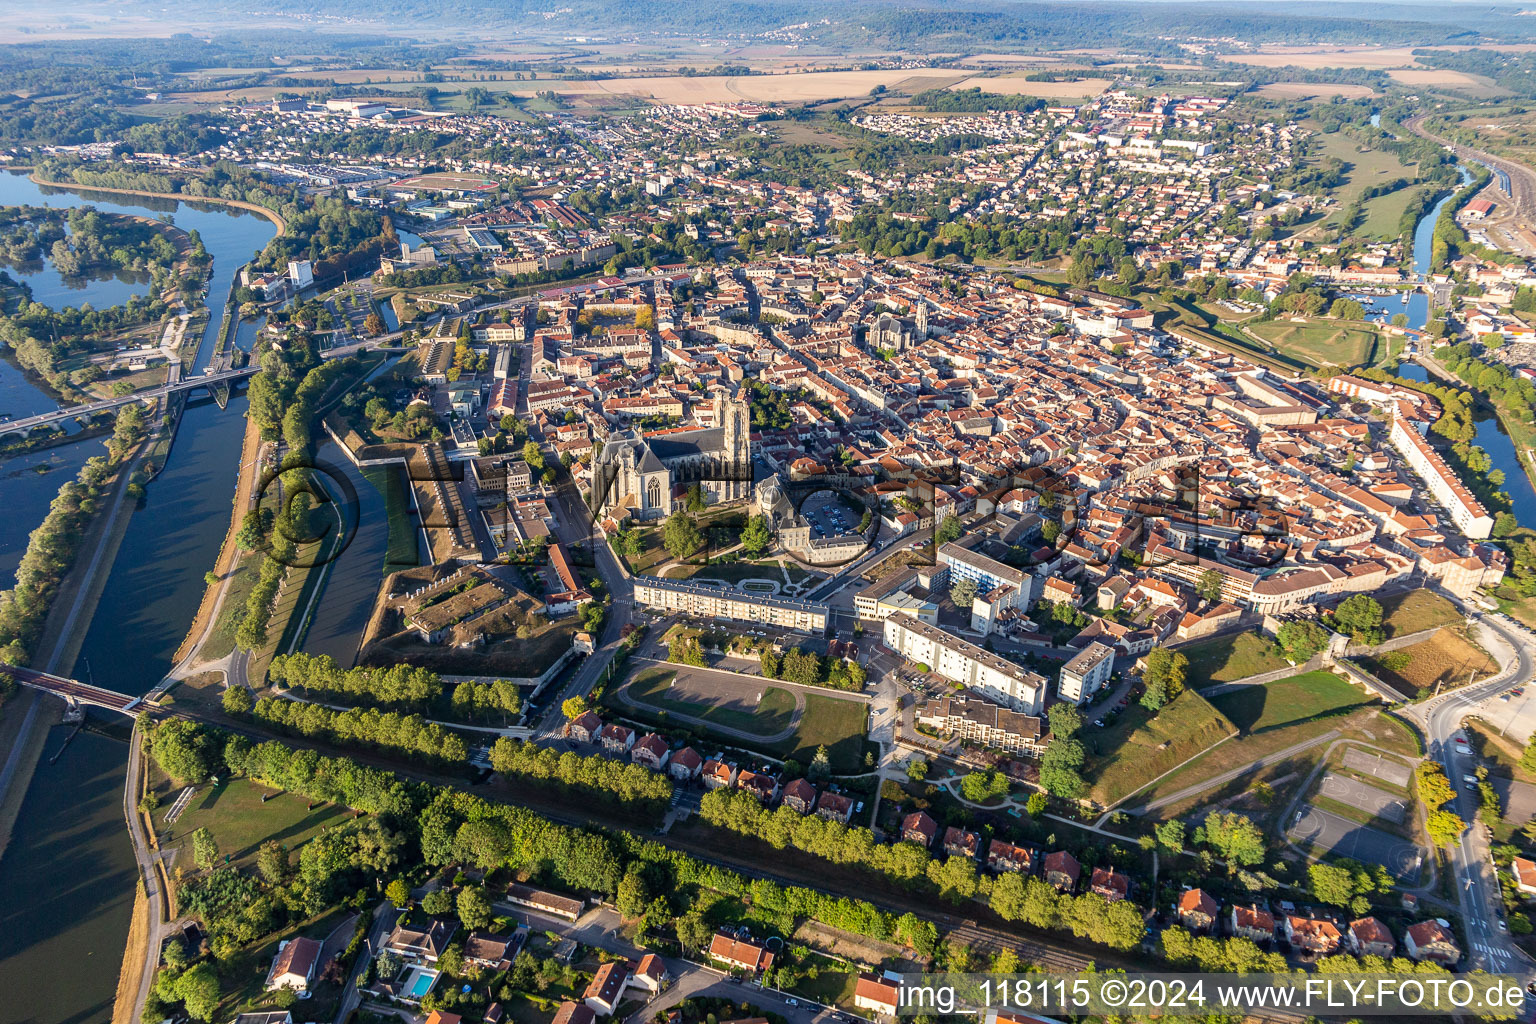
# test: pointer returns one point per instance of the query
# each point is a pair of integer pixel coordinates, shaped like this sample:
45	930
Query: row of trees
617	782
808	669
387	730
398	686
52	547
1036	902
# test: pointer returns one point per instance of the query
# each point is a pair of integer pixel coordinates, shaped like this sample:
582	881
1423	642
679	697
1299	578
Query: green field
1363	168
1414	611
239	820
835	723
1227	658
774	712
1285	701
1140	746
1324	342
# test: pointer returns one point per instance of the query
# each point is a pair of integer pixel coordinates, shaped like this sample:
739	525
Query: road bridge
211	381
76	692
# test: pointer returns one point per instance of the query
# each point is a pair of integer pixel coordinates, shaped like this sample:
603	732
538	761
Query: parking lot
1332	833
829	514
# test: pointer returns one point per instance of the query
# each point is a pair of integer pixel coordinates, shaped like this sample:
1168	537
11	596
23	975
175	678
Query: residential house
493	952
1524	872
421	942
295	965
1312	935
834	807
799	796
607	985
740	952
617	739
1062	870
1252	923
685	765
585	728
1369	937
877	995
1429	940
545	902
651	751
1197	910
443	1017
918	828
960	843
651	974
1003	856
574	1013
719	775
760	784
1111	884
264	1017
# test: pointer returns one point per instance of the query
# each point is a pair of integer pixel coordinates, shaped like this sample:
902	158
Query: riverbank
1520	436
179	197
125	1006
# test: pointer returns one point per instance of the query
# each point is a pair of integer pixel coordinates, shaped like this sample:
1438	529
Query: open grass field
1414	611
1228	658
1141	746
839	725
1281	56
1287	701
1384	215
238	819
1315	90
1020	85
1443	78
1363	168
1323	342
773	712
1445	660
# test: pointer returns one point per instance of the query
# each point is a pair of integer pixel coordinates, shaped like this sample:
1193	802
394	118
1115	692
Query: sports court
1368	762
1332	834
1375	802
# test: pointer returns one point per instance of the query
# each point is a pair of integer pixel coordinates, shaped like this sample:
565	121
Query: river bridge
214	382
75	692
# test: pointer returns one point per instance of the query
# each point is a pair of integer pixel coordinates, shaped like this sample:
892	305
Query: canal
69	870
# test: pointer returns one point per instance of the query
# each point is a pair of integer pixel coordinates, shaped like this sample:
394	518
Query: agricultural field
1314	57
1315	90
1228	658
1323	342
1140	746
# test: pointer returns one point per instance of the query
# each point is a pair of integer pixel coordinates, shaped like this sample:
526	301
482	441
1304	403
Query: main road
1477	883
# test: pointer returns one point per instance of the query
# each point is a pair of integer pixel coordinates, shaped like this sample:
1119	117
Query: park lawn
238	819
1323	342
1446	659
834	722
652	553
1228	658
1140	746
774	712
725	573
1415	611
402	550
1389	733
832	986
1255	709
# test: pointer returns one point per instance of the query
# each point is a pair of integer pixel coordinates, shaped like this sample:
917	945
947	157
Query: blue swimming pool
419	983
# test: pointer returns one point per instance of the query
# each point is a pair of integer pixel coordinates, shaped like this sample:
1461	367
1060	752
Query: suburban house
617	739
685	765
1197	910
760	784
740	952
1525	875
574	1013
421	943
545	901
264	1017
295	965
1111	884
651	751
1312	935
877	995
719	775
799	796
1003	856
1369	937
1429	940
1062	870
1252	923
917	827
960	843
834	807
586	727
442	1017
650	975
602	994
493	952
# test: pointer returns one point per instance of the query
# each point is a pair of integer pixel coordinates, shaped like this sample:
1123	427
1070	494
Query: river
68	871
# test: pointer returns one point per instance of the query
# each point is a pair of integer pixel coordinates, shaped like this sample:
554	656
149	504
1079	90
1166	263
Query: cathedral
645	476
